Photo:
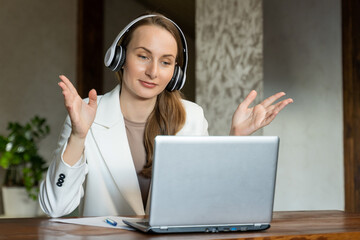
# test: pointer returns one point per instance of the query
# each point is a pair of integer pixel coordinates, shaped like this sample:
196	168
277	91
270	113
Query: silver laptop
211	184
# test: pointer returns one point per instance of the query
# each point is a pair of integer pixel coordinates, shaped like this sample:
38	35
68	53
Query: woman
104	152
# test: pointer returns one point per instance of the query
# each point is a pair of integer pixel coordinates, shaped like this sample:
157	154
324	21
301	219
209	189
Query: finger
65	90
92	98
270	100
282	104
68	84
270	118
68	96
249	99
62	86
275	109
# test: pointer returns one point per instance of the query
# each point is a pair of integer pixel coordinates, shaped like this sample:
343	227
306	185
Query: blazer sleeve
61	191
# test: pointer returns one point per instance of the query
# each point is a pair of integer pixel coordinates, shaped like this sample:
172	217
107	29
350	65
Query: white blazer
104	181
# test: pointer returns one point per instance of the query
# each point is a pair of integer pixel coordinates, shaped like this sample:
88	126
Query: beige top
135	135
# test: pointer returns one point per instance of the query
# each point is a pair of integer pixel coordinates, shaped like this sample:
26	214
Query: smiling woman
153	49
108	140
149	66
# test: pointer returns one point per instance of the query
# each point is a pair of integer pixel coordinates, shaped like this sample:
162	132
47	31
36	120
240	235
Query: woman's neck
136	109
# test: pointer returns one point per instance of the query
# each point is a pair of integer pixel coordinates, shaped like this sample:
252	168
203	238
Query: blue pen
111	222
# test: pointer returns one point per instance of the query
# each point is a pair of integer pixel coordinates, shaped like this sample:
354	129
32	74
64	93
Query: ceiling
180	11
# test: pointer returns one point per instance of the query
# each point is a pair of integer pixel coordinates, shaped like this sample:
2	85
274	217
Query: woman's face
150	62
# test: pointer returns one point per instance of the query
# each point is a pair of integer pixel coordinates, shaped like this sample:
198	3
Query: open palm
247	120
82	114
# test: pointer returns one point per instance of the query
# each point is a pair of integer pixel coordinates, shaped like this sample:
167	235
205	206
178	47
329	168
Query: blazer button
60	180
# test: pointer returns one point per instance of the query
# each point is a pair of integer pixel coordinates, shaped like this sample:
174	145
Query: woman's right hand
81	114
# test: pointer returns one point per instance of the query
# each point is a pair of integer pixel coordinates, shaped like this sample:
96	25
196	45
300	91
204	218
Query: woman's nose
152	70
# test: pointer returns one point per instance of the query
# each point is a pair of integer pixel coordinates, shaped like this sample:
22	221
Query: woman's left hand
247	120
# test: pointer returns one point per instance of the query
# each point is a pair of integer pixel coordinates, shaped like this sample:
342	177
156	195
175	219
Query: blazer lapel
110	136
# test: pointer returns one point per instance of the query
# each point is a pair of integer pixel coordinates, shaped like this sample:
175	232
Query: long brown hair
168	115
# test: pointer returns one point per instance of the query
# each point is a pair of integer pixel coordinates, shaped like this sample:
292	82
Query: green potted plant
24	167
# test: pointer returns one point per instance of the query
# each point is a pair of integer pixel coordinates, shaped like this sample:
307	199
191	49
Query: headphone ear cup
176	80
180	80
119	59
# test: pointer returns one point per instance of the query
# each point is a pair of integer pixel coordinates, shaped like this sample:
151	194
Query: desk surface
324	225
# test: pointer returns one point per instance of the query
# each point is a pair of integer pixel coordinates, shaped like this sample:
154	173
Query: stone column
229	54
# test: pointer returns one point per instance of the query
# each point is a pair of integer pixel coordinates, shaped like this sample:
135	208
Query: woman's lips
147	84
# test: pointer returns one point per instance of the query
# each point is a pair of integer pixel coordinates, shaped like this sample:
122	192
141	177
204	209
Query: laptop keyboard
144	224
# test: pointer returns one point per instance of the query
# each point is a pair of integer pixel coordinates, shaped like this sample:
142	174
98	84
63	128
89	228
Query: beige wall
302	56
37	43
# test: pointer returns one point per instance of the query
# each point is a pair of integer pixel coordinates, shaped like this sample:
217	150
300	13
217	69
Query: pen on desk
111	222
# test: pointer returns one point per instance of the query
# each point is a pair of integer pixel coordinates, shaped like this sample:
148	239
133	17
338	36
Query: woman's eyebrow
144	48
147	50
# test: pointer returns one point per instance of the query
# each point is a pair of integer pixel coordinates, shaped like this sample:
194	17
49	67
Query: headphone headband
110	53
